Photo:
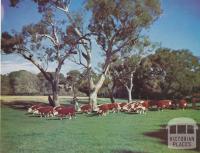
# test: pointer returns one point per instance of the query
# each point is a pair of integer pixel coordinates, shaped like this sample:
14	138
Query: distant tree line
165	74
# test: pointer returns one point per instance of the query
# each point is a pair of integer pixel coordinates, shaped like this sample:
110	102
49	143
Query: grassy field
115	133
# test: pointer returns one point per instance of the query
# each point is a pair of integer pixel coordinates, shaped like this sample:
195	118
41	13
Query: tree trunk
95	88
112	98
129	95
55	93
73	90
93	100
130	87
111	94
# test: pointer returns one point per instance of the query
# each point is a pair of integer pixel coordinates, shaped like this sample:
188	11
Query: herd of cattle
139	107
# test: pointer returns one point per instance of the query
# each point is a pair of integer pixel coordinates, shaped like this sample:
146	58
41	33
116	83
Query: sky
177	28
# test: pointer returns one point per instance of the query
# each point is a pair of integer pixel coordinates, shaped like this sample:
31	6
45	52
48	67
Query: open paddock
114	133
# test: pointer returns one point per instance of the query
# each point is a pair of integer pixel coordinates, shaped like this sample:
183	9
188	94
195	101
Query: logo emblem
182	133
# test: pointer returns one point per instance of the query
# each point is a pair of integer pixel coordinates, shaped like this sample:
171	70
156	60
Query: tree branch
30	58
49	37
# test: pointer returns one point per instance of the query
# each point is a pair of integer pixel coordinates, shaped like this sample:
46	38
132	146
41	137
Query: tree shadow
126	151
162	135
132	113
93	114
22	105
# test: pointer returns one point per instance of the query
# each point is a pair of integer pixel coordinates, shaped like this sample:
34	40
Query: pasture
114	133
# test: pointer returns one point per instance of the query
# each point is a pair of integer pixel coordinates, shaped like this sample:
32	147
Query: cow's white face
141	102
36	112
30	110
96	109
55	113
79	110
170	103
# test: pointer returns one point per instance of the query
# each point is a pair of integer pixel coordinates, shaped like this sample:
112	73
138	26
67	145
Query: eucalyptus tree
113	25
116	26
124	69
43	44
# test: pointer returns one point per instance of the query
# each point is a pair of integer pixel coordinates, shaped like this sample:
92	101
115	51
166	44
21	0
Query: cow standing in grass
87	108
160	104
45	111
182	104
65	111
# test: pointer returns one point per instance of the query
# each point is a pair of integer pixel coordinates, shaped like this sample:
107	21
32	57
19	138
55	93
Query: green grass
115	133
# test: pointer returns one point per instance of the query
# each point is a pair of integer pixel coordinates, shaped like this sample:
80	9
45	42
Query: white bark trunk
129	96
129	88
93	94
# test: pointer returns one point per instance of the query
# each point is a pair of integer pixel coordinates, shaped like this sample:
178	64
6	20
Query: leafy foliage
170	73
23	82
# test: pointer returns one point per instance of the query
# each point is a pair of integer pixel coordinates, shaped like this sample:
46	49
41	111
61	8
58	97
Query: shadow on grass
22	105
162	135
132	113
126	151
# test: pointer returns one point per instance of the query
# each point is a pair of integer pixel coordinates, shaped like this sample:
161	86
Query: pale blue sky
177	28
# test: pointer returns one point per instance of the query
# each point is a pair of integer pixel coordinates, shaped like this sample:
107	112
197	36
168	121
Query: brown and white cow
145	103
65	111
33	108
136	107
182	104
103	109
114	107
160	104
87	108
45	111
122	105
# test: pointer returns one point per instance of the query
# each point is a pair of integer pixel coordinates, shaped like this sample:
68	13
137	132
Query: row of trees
164	74
113	26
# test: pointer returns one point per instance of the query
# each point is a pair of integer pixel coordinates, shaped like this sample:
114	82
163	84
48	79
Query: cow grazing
134	107
103	109
145	103
127	107
182	104
66	111
137	108
33	109
122	105
58	108
87	108
160	104
114	107
45	111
